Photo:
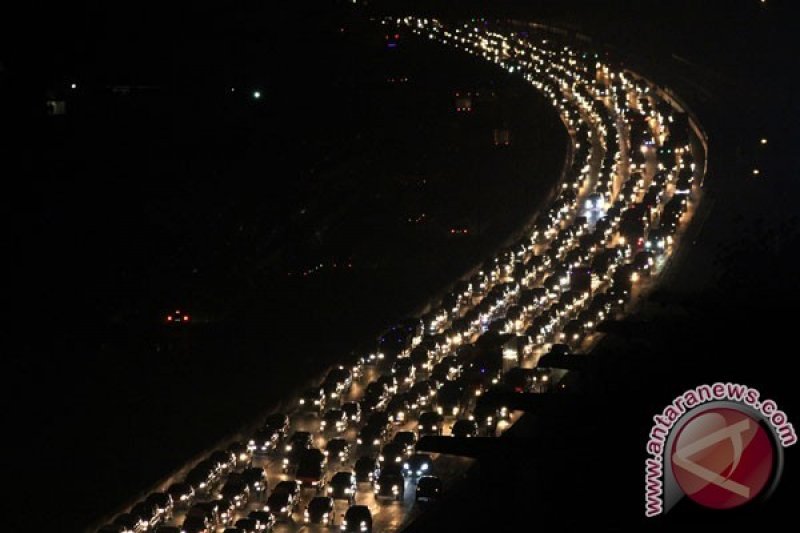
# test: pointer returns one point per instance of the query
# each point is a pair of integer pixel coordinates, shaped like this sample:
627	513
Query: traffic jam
345	457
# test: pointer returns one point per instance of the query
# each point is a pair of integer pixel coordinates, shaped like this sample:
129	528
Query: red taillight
169	318
186	318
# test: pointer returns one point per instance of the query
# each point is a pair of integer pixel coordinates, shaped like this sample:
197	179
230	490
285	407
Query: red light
396	35
169	318
186	318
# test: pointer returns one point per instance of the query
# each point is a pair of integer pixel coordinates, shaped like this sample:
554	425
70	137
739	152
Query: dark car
357	519
430	423
419	464
163	503
320	510
201	478
197	524
279	423
265	519
429	488
424	392
406	439
449	398
465	428
353	411
281	505
148	512
371	435
365	469
298	443
399	408
333	421
312	400
337	450
245	525
131	522
390	483
342	486
392	453
236	489
182	494
256	479
311	468
264	441
243	453
224	461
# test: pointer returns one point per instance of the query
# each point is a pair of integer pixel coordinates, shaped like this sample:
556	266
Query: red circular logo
722	458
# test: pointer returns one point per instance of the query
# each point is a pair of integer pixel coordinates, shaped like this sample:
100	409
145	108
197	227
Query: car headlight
288	447
424	466
380	458
283	509
405	465
302	401
324	517
330	489
376	442
397	459
344	525
377	486
395	489
434	427
358	441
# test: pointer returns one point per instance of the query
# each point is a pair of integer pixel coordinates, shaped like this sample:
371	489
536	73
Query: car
449	398
337	450
353	411
311	468
337	382
236	489
371	435
207	509
365	469
148	512
279	423
312	400
389	382
390	483
404	370
281	505
182	494
297	444
334	420
399	408
560	349
163	503
227	510
342	486
197	524
406	439
424	392
224	461
243	453
417	465
392	453
244	525
131	522
265	519
429	488
464	428
430	423
320	510
256	479
202	478
264	441
357	519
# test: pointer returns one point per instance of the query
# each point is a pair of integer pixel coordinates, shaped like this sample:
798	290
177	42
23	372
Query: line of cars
632	166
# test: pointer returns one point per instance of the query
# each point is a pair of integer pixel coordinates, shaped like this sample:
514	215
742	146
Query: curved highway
620	212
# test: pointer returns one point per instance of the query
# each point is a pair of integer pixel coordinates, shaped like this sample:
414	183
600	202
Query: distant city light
256	94
764	141
73	86
756	172
233	89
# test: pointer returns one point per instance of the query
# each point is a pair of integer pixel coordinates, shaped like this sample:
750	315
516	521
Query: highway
603	241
